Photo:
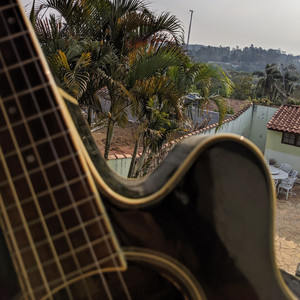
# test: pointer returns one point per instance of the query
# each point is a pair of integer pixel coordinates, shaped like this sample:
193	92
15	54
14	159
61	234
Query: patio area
287	230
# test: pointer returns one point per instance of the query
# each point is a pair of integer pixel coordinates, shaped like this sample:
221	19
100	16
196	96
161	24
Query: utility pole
191	18
283	79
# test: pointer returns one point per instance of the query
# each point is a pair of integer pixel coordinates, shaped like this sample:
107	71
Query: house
283	136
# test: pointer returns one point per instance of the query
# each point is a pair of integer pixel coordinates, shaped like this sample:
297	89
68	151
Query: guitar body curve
215	215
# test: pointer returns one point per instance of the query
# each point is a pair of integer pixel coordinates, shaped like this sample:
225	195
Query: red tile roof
287	118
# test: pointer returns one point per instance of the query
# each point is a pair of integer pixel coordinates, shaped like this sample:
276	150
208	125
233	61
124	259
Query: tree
243	85
163	111
155	97
275	85
121	26
134	55
266	85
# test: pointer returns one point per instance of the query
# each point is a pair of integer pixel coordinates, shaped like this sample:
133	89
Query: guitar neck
54	223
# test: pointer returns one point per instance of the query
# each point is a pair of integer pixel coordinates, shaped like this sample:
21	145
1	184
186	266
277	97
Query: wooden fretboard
54	223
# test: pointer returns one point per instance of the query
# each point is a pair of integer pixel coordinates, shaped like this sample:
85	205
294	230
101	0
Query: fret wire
39	142
34	117
72	274
27	91
29	85
13	36
66	183
48	165
28	200
8	6
78	215
4	218
20	64
108	246
54	189
67	254
13	238
61	234
81	221
75	273
62	172
43	275
47	132
80	218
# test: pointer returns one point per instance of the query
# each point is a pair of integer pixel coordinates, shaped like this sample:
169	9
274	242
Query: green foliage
133	54
264	101
229	111
72	77
276	85
243	85
248	59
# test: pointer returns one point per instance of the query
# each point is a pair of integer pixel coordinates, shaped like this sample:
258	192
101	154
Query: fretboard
54	223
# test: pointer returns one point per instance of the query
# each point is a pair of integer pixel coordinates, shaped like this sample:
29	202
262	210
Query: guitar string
24	281
69	194
37	258
108	246
26	228
100	225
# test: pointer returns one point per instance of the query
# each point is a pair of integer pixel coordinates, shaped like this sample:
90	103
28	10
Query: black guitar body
199	227
213	224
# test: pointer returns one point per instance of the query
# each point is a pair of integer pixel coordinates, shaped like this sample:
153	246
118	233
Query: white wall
280	158
251	124
282	153
120	165
258	130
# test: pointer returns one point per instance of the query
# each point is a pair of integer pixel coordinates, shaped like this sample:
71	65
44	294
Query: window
291	138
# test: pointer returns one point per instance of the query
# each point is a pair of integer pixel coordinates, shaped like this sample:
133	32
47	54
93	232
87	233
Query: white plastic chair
294	174
286	168
286	186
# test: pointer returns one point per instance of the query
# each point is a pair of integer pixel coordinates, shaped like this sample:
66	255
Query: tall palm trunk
89	116
109	136
141	162
133	160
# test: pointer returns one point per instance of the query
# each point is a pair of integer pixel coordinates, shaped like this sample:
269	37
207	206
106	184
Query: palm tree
159	117
117	46
277	86
266	85
161	104
197	77
120	25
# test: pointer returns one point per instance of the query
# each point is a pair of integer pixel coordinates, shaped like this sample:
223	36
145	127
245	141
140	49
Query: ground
123	140
287	230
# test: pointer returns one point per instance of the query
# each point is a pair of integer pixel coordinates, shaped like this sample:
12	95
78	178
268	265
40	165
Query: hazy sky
264	23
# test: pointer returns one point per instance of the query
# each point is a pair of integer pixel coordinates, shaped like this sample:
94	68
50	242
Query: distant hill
248	59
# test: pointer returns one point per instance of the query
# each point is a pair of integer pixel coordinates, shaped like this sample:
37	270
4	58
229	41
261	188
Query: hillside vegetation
248	59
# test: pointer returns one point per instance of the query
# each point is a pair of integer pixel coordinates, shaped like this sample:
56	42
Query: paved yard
287	230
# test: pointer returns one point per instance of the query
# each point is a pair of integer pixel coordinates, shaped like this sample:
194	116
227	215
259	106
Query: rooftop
287	118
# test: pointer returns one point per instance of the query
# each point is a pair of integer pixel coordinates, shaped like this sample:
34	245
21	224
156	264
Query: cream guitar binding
199	227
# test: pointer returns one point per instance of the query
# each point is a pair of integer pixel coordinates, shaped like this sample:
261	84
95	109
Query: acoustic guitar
199	227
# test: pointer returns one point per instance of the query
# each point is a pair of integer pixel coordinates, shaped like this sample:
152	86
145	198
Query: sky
268	24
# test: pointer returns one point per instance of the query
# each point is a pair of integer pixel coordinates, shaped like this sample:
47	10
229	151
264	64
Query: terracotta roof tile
287	118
